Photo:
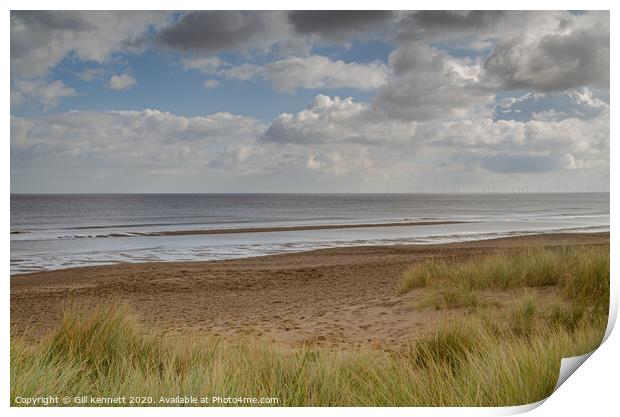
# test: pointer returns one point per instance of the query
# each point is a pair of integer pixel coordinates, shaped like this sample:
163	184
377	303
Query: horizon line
307	193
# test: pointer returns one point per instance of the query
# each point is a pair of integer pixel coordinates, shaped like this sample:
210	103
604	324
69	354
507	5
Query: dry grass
580	275
577	269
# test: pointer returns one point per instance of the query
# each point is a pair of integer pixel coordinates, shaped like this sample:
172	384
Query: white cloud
586	97
332	138
332	122
124	134
90	74
47	95
243	72
211	84
210	66
509	102
549	115
315	71
121	82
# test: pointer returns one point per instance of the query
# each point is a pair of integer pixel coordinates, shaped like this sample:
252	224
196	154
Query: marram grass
582	273
466	361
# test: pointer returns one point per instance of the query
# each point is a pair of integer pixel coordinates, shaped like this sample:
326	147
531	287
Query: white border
593	388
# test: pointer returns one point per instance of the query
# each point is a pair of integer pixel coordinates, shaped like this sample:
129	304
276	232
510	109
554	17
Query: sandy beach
331	297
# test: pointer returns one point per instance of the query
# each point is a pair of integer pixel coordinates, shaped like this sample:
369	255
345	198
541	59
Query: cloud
40	39
91	74
288	75
338	24
137	136
326	120
210	65
509	146
218	31
211	84
471	26
569	143
510	163
463	95
334	120
243	72
582	103
137	151
47	95
121	82
333	138
575	55
427	83
586	97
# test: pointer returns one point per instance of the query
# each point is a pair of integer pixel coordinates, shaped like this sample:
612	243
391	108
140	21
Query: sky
309	101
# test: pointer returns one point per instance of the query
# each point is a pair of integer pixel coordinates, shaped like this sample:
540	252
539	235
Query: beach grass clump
522	316
566	315
532	267
449	298
583	273
419	276
587	281
450	343
103	341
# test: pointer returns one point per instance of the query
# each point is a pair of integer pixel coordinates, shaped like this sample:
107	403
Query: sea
54	231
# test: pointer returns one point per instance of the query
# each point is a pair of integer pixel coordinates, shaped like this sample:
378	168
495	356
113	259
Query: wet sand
334	297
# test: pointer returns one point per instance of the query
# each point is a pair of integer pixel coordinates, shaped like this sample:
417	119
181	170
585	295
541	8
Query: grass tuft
449	298
581	271
522	320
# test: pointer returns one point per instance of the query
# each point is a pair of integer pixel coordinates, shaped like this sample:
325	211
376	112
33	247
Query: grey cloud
216	31
575	57
471	28
41	22
338	24
427	83
429	23
563	52
40	39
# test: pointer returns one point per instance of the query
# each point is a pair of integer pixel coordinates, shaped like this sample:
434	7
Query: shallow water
60	231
